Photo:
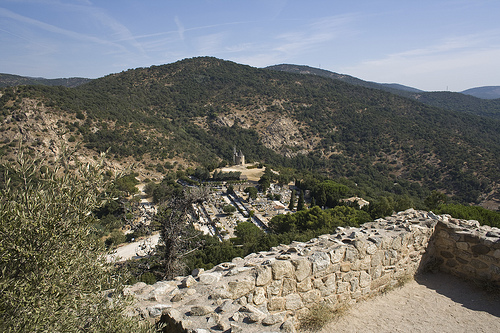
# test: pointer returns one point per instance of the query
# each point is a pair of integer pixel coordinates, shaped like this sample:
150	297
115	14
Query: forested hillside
9	80
193	112
463	102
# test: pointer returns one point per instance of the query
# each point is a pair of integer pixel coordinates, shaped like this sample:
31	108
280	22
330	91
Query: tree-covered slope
196	110
9	80
470	101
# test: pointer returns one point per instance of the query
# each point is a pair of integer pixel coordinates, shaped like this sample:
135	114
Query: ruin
271	291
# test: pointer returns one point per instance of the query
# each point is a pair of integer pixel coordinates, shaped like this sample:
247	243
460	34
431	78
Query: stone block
293	302
337	254
263	275
480	249
276	304
289	286
274	319
259	296
463	246
351	254
209	278
371	248
188	282
311	297
377	258
238	289
478	264
305	285
274	288
201	310
381	281
282	269
342	287
364	279
345	267
303	269
320	262
451	263
446	254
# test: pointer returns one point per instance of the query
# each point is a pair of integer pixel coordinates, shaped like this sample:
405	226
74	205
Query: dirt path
432	303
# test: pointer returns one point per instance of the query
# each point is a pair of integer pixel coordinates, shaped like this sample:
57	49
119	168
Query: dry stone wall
271	291
467	250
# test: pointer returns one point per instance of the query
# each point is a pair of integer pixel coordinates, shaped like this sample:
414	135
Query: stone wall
271	291
467	250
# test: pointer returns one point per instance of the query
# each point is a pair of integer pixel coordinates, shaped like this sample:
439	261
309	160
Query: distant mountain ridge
487	92
10	80
300	69
194	112
469	102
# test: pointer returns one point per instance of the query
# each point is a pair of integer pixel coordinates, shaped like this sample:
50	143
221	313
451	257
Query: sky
433	45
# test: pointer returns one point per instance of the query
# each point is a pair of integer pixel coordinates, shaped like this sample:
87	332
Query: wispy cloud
180	27
468	55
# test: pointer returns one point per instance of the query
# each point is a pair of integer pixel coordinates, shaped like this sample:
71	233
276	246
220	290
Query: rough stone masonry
271	291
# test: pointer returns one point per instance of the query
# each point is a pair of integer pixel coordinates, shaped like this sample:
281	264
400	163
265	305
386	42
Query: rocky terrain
275	291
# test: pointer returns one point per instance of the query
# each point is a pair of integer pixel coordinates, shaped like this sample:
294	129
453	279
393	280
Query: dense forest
199	109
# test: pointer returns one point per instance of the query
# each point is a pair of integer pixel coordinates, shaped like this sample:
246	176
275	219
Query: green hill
193	112
9	80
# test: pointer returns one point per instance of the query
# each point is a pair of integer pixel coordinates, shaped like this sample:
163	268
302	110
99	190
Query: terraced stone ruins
272	291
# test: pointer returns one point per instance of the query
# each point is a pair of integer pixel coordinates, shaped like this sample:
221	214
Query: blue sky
426	44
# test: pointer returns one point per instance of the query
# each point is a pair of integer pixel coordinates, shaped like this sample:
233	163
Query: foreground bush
53	270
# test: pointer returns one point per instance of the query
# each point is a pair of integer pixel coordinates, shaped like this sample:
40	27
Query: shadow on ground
470	295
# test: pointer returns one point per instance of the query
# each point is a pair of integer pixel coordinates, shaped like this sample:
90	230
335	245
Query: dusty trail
433	303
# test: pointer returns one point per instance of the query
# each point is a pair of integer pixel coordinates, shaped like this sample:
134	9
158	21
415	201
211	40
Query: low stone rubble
271	291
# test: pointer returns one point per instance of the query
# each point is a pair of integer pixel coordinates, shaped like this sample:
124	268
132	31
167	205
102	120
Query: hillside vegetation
483	101
193	112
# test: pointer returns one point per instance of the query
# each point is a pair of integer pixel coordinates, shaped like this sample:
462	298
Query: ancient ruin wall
467	250
271	291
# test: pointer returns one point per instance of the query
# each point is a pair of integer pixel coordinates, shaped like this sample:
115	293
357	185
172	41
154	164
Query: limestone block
253	314
354	284
156	310
201	310
264	275
311	297
396	243
274	319
293	302
188	282
259	296
303	269
276	304
479	249
320	262
209	278
282	269
381	281
364	279
342	287
305	285
345	267
240	288
478	264
351	254
371	249
236	328
337	254
496	254
289	286
288	327
377	258
361	246
275	288
463	246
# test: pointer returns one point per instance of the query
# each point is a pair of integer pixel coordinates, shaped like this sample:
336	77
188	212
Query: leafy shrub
53	271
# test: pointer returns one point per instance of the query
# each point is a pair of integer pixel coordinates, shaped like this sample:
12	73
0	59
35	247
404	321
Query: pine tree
291	205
